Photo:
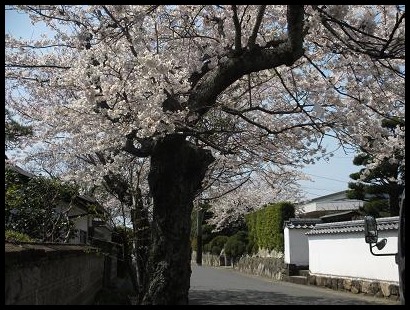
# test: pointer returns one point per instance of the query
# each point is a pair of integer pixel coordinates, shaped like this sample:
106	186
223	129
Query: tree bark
177	171
200	215
394	199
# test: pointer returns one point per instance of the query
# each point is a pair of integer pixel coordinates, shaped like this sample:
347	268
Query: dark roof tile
386	223
301	223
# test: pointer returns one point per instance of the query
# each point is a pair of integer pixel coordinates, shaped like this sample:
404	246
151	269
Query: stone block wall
268	267
52	274
208	259
357	286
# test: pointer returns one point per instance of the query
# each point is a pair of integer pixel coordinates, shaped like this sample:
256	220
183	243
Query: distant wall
209	259
296	246
343	205
269	267
52	274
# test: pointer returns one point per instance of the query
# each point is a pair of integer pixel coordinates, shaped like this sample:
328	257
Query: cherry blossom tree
229	203
211	94
125	193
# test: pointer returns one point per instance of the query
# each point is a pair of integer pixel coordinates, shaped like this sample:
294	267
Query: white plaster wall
348	255
82	222
79	223
286	246
298	253
308	207
335	205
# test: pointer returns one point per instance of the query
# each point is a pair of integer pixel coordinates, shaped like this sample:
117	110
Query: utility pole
200	215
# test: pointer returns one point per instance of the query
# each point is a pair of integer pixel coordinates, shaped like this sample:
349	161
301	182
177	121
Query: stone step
304	273
296	279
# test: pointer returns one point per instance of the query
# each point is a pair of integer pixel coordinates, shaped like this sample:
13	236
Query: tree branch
238	44
252	38
145	149
204	94
123	29
11	65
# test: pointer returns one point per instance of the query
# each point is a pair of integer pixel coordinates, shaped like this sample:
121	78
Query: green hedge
265	226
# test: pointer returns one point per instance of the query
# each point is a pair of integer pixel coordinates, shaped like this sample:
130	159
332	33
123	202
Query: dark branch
145	148
205	93
238	44
252	39
35	66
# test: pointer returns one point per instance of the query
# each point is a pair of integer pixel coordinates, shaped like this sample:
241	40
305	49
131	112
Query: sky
327	176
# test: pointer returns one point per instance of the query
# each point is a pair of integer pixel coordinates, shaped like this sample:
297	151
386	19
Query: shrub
235	246
217	244
15	236
39	207
194	244
251	247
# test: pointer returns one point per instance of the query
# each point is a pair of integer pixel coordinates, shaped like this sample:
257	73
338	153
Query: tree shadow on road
251	297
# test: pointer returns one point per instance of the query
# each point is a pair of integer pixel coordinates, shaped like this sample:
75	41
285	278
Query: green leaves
235	246
13	130
38	207
379	177
14	236
265	225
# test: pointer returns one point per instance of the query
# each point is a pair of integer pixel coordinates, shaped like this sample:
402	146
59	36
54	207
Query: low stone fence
214	260
273	268
52	274
268	267
356	286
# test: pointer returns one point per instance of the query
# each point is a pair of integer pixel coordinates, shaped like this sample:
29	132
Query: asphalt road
225	286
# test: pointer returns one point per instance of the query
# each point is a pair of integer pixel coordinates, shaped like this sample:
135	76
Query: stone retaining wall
357	286
273	268
52	274
268	267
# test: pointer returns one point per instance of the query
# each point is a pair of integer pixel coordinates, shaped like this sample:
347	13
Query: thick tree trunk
177	170
394	201
199	219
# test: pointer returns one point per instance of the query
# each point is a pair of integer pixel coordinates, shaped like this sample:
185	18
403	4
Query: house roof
19	170
329	197
385	223
83	200
340	216
301	223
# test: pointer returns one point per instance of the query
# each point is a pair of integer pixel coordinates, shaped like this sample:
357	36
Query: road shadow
251	297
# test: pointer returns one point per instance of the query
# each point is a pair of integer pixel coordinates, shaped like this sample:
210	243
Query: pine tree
14	130
379	182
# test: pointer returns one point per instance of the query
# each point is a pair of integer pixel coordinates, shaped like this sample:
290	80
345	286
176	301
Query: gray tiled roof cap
385	223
